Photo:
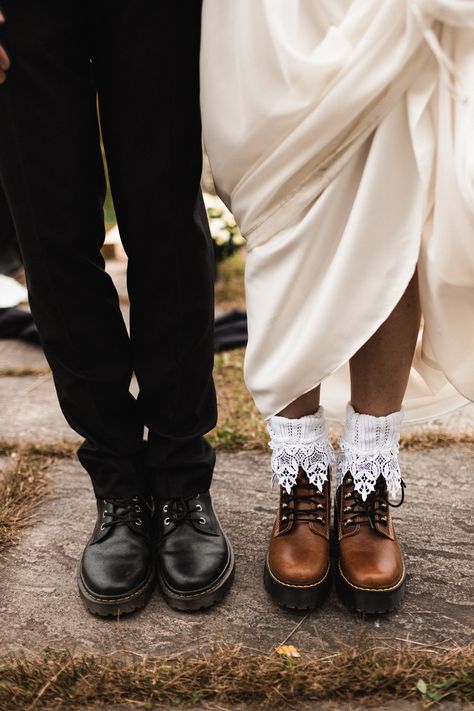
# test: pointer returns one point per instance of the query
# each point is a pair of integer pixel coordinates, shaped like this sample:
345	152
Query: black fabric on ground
230	331
15	323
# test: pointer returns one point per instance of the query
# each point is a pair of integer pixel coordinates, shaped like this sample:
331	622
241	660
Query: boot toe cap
193	570
374	573
294	565
107	575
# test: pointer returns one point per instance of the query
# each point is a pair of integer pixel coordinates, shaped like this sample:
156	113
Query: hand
4	61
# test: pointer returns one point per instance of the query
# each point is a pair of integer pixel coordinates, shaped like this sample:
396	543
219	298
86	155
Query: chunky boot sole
372	601
113	606
191	602
297	597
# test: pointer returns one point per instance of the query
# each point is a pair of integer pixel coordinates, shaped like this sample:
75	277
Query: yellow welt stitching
117	600
199	594
300	587
356	587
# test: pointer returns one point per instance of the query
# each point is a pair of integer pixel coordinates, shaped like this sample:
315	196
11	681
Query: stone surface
30	411
117	268
458	422
19	355
40	604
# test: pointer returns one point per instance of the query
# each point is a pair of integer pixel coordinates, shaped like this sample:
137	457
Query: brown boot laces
374	509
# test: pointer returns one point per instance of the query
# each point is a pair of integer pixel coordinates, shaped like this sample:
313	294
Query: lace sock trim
296	443
369	448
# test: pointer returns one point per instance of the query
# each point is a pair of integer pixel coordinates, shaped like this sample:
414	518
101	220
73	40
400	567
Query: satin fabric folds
341	135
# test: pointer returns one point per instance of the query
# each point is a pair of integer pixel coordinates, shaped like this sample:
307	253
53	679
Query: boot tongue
119	506
303	489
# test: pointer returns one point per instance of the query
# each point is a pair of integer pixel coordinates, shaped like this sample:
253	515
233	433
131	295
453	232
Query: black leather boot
117	569
195	558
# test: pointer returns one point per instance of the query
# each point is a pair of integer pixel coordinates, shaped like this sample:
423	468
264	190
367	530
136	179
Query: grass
23	372
239	425
422	441
23	486
230	282
230	675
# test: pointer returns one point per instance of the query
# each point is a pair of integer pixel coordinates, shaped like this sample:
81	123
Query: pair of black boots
137	540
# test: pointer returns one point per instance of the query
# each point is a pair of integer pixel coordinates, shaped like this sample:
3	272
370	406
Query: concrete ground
40	606
39	600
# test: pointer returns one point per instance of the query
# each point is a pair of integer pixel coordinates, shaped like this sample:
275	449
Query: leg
381	368
307	404
50	164
150	118
51	167
151	125
371	572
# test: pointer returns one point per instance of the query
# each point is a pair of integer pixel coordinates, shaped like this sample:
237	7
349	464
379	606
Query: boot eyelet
284	505
198	507
165	508
167	521
349	481
348	495
320	507
137	509
202	521
347	509
135	498
102	528
284	518
197	496
383	519
320	519
348	522
105	514
138	521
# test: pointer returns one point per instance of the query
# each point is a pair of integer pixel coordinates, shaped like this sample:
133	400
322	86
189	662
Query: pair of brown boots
369	569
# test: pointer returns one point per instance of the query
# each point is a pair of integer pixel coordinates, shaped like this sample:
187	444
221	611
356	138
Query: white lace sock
301	442
368	448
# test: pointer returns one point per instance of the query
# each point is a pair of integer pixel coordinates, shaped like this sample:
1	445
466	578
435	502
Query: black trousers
9	255
140	59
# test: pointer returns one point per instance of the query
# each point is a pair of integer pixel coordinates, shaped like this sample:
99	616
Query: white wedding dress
341	135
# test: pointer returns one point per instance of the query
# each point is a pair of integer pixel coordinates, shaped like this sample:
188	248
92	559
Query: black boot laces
182	509
125	511
374	509
311	512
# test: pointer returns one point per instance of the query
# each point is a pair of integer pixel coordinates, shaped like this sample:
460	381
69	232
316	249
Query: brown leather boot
297	569
370	571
